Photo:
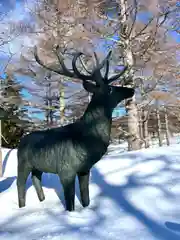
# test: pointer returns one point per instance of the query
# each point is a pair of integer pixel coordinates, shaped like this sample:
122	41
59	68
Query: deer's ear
90	87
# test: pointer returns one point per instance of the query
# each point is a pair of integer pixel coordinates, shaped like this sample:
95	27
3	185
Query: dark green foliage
11	133
11	112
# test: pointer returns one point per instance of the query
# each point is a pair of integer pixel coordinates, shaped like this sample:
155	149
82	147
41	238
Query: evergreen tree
12	123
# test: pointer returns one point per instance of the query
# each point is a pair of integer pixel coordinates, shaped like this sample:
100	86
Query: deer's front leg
68	183
84	187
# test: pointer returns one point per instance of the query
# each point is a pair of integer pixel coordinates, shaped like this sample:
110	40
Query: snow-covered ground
133	196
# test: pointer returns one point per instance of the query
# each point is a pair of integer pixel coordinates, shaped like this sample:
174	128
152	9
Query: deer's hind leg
68	183
84	187
22	175
36	179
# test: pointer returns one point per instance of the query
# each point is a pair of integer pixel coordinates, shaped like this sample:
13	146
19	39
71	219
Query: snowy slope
133	196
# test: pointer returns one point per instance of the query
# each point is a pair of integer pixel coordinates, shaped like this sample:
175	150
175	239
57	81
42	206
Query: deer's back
61	148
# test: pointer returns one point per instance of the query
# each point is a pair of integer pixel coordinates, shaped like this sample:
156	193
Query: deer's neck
98	119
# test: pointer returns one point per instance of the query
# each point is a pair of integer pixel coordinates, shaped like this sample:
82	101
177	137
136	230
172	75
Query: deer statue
73	149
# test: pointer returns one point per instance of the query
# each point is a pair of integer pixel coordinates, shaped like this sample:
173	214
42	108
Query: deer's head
94	82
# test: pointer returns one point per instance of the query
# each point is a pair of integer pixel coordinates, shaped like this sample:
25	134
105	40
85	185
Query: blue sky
16	12
15	6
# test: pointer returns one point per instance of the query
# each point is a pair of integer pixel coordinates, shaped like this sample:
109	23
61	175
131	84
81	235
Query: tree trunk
1	164
146	134
50	112
131	108
167	128
46	110
159	127
140	124
133	125
61	103
145	129
141	135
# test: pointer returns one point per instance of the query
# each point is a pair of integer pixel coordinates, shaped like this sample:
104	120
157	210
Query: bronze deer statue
72	150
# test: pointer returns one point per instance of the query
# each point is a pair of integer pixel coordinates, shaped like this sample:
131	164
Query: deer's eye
110	90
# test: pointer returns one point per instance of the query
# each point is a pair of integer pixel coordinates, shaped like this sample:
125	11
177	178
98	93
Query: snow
133	195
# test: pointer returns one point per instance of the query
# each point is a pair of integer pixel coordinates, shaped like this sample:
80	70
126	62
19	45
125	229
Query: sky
17	12
15	6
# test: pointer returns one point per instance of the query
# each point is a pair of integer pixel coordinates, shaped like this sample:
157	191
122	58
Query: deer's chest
92	144
95	150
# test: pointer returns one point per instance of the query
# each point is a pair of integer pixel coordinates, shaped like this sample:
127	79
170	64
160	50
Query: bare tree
143	49
145	45
167	127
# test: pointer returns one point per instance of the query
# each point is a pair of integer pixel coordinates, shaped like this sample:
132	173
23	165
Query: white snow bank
133	196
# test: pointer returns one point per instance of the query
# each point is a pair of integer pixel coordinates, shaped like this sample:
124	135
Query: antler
106	62
116	76
64	71
95	75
